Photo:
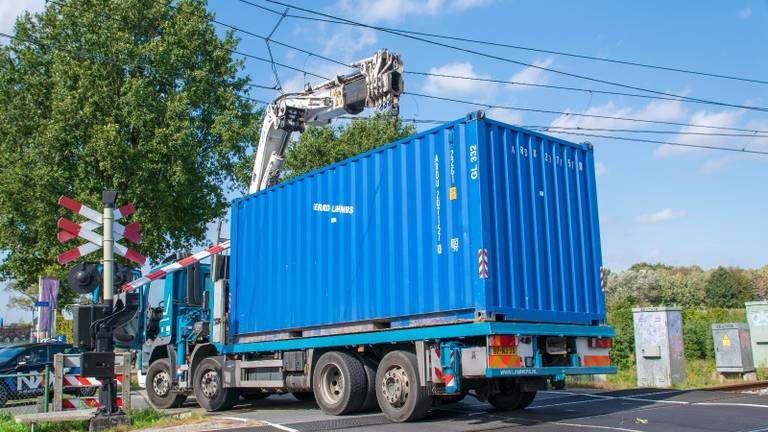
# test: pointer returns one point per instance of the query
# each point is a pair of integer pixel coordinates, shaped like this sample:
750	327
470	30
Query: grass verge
139	419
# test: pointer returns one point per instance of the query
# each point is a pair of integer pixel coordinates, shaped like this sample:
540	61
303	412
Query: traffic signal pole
109	414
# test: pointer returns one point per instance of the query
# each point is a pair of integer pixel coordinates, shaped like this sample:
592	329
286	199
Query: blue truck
462	260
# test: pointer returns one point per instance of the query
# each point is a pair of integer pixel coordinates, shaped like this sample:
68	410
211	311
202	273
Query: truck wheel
209	387
160	386
398	390
526	399
370	403
339	383
509	396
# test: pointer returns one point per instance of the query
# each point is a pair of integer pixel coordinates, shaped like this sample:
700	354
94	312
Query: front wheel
398	390
209	388
160	386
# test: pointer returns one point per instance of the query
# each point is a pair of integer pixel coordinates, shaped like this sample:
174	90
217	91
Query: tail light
502	340
600	342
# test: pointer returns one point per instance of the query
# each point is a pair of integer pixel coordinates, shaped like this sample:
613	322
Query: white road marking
240	419
579	425
279	426
731	404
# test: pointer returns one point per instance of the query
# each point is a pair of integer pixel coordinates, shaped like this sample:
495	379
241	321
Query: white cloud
720	119
506	116
662	110
375	11
745	13
661	216
478	90
10	9
600	168
348	41
531	75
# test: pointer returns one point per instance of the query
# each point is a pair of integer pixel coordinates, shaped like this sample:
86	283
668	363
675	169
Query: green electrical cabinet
757	317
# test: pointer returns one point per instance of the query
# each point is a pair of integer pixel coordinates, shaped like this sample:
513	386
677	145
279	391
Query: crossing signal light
85	277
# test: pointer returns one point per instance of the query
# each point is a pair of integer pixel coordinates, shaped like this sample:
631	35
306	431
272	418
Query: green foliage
623	344
128	95
659	284
321	146
728	288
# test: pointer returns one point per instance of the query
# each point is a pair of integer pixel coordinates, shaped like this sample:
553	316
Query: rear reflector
600	342
502	340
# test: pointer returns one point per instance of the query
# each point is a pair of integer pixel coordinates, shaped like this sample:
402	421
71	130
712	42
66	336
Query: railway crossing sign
87	231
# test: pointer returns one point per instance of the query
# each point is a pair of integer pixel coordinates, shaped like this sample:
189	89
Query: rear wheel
398	390
370	403
209	387
339	383
526	400
511	397
160	386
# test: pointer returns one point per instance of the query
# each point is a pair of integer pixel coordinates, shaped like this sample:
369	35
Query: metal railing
25	393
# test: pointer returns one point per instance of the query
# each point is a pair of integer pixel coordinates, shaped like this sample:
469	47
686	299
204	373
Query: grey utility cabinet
733	350
757	317
659	346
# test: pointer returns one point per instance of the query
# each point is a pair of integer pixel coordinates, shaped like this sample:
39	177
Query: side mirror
23	360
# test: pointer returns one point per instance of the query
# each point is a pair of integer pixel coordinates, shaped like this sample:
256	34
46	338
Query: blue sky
657	203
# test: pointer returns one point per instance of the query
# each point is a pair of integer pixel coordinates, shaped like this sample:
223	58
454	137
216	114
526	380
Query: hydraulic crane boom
377	83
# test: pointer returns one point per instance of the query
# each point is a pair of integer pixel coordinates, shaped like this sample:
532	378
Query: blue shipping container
472	220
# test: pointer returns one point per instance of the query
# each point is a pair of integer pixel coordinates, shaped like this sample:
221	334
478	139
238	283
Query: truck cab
173	320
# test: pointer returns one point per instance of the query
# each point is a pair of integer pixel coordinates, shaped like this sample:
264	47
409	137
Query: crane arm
377	83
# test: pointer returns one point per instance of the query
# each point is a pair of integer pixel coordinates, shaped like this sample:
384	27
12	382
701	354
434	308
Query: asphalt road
637	410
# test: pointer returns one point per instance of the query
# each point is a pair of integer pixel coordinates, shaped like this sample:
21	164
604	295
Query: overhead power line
676	144
532	49
568	88
629	139
545	111
565	113
284	14
646	131
496	57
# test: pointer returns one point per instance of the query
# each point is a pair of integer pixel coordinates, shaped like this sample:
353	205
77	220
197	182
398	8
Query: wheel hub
395	386
209	384
332	383
161	384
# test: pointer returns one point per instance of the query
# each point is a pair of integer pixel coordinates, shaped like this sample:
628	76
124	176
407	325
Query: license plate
504	350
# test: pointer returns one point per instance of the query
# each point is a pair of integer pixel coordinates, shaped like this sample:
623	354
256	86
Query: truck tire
209	387
339	383
526	400
160	386
370	403
509	397
398	390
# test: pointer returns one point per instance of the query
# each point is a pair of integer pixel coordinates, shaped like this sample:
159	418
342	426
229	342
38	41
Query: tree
130	95
321	146
728	288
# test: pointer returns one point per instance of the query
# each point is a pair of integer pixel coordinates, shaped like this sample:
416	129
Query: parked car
16	361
